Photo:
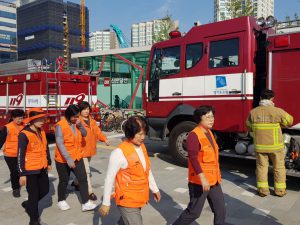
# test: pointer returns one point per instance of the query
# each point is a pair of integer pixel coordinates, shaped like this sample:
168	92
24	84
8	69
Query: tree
297	19
288	21
238	8
163	28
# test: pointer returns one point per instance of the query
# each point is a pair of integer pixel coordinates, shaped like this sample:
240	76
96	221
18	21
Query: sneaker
93	197
88	206
16	193
63	205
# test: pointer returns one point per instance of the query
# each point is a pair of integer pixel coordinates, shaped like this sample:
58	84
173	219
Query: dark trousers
197	199
63	171
37	187
14	175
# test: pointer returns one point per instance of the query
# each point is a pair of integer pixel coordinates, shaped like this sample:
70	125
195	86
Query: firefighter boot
262	164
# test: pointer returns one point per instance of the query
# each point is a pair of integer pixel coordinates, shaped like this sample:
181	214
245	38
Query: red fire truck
225	64
51	91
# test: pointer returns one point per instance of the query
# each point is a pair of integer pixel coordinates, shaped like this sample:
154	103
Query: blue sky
125	12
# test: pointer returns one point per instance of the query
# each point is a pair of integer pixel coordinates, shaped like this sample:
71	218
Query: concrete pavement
243	206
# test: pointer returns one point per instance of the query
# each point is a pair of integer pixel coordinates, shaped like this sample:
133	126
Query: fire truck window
224	53
170	61
194	53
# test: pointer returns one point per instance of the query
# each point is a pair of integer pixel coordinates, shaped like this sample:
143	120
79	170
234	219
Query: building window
193	55
224	53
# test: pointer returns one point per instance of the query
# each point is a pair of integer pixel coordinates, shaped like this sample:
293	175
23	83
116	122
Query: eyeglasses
210	117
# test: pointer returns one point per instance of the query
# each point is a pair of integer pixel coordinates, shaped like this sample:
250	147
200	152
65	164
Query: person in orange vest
34	162
89	144
130	170
9	141
69	133
203	170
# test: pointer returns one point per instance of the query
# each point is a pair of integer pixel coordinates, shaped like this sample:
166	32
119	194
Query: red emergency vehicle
225	64
51	91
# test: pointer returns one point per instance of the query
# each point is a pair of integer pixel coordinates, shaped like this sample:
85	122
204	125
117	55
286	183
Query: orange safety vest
72	142
36	151
10	148
208	157
132	184
89	143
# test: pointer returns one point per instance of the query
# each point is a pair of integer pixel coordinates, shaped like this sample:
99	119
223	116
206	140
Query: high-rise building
48	28
262	8
103	40
8	32
142	33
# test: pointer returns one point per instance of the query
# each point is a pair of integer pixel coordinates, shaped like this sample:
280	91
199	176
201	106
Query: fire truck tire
177	142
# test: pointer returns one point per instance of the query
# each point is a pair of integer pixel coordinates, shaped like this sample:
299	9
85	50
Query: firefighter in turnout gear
266	121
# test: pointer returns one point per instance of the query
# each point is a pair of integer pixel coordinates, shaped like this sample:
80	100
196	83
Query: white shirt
118	161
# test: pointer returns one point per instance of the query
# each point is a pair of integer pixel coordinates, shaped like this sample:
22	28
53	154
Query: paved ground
243	206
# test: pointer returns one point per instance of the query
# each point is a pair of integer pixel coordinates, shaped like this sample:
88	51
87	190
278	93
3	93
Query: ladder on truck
52	96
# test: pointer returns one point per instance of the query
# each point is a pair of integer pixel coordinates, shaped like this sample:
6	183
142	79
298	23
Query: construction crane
66	41
82	25
120	36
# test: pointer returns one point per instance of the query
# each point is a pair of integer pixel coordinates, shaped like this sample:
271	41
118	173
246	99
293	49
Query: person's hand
104	210
23	181
157	196
205	184
71	164
49	168
107	142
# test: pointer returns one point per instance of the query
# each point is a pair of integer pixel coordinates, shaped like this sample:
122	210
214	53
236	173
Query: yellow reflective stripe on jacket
287	120
265	125
280	185
262	184
275	129
269	147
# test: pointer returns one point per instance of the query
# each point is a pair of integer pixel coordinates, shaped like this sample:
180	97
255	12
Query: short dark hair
83	105
72	110
17	113
201	111
267	94
134	125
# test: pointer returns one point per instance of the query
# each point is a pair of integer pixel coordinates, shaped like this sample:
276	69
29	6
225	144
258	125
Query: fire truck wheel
177	142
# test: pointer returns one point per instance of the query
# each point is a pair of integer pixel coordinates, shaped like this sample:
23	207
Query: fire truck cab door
165	81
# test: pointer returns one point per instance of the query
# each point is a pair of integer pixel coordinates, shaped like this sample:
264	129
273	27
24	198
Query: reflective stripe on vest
274	130
10	148
208	157
72	142
36	151
132	185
